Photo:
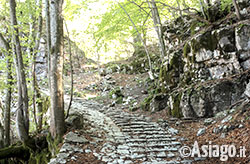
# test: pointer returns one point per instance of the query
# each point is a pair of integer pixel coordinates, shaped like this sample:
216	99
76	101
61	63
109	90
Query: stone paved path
129	138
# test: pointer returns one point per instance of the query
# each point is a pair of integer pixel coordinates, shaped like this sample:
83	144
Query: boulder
207	100
201	132
242	35
247	91
158	103
74	138
75	121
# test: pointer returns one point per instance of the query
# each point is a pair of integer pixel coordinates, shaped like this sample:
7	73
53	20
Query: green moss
186	50
53	144
207	41
241	26
195	46
39	158
146	102
119	100
192	27
117	91
162	79
174	62
176	111
187	78
163	73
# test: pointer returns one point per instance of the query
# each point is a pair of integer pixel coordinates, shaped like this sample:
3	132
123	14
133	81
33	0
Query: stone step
158	136
157	140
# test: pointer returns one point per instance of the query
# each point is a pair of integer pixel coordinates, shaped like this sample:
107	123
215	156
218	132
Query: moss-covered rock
186	50
175	109
115	92
207	41
145	104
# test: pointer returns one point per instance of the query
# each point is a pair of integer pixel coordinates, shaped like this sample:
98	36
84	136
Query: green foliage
226	4
186	49
53	145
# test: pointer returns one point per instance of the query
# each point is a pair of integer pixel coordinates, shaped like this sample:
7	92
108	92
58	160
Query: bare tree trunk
57	125
32	67
202	9
22	121
71	74
30	43
37	94
1	136
8	103
145	47
9	84
48	36
97	53
158	27
237	9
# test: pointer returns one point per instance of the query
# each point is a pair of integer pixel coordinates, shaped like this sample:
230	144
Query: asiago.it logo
222	151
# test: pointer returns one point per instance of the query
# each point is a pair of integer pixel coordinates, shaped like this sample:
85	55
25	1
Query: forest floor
90	86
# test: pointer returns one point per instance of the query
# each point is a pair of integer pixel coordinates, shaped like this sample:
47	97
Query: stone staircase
140	141
129	138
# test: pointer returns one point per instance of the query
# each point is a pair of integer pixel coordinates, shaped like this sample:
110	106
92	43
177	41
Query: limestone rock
243	38
228	118
207	100
226	37
72	137
173	131
208	121
204	55
247	91
201	131
158	103
75	121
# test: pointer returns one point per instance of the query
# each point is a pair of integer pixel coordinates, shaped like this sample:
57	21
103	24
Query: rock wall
210	72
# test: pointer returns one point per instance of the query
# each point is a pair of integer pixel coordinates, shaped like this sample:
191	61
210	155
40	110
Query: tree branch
140	7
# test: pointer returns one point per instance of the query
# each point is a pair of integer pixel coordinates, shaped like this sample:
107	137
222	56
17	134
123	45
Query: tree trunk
237	9
97	53
158	27
8	103
57	123
32	66
35	87
9	84
48	35
1	136
22	119
71	74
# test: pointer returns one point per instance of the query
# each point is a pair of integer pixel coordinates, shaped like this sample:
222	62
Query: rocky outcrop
208	99
209	72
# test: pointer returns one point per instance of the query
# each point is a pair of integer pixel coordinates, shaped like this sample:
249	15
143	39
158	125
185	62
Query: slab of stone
173	131
123	147
122	151
161	155
72	137
228	118
201	131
